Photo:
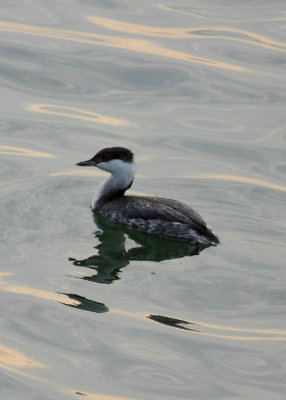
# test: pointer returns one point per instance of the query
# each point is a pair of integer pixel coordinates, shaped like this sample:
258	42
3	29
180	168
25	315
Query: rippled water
197	90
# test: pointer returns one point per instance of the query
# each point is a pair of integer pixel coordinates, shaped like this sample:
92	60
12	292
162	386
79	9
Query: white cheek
103	166
123	171
114	166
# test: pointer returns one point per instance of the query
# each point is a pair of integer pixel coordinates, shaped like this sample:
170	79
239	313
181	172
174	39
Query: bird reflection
112	255
173	322
82	303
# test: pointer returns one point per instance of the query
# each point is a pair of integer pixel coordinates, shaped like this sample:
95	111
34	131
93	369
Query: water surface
197	91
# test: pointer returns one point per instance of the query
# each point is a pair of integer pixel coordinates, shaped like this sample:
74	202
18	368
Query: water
197	91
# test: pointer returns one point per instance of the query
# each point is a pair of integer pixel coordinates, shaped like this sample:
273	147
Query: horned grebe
157	216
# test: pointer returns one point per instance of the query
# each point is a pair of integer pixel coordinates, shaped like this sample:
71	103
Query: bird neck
121	179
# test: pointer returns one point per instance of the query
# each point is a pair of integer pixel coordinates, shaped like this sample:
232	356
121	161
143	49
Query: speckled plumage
159	217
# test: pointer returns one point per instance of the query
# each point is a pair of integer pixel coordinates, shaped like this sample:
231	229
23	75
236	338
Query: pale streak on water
141	46
224	33
17	151
71	112
197	90
266	334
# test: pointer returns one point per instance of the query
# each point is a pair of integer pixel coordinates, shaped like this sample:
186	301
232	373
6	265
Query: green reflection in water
112	255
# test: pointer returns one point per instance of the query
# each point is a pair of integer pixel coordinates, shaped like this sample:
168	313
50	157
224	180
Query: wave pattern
197	91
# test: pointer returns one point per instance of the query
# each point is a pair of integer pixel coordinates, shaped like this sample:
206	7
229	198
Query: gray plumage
158	216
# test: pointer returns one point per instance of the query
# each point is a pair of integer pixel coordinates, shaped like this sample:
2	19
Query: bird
157	216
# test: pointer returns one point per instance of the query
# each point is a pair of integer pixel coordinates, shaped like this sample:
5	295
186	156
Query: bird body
166	218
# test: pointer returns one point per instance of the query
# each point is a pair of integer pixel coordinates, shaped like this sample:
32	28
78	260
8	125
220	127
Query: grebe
156	216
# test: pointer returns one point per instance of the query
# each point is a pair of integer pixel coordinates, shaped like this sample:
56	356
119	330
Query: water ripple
198	92
225	33
18	151
140	46
72	112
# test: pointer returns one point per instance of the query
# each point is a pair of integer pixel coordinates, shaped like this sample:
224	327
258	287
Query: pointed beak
88	163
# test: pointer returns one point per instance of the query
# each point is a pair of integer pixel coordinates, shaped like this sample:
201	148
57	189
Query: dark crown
114	153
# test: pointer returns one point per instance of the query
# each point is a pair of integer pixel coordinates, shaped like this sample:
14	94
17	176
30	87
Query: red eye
105	159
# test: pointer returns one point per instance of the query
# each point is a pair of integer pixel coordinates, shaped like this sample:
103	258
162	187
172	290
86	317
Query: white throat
122	175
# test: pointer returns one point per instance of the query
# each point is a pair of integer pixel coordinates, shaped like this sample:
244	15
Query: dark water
197	90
